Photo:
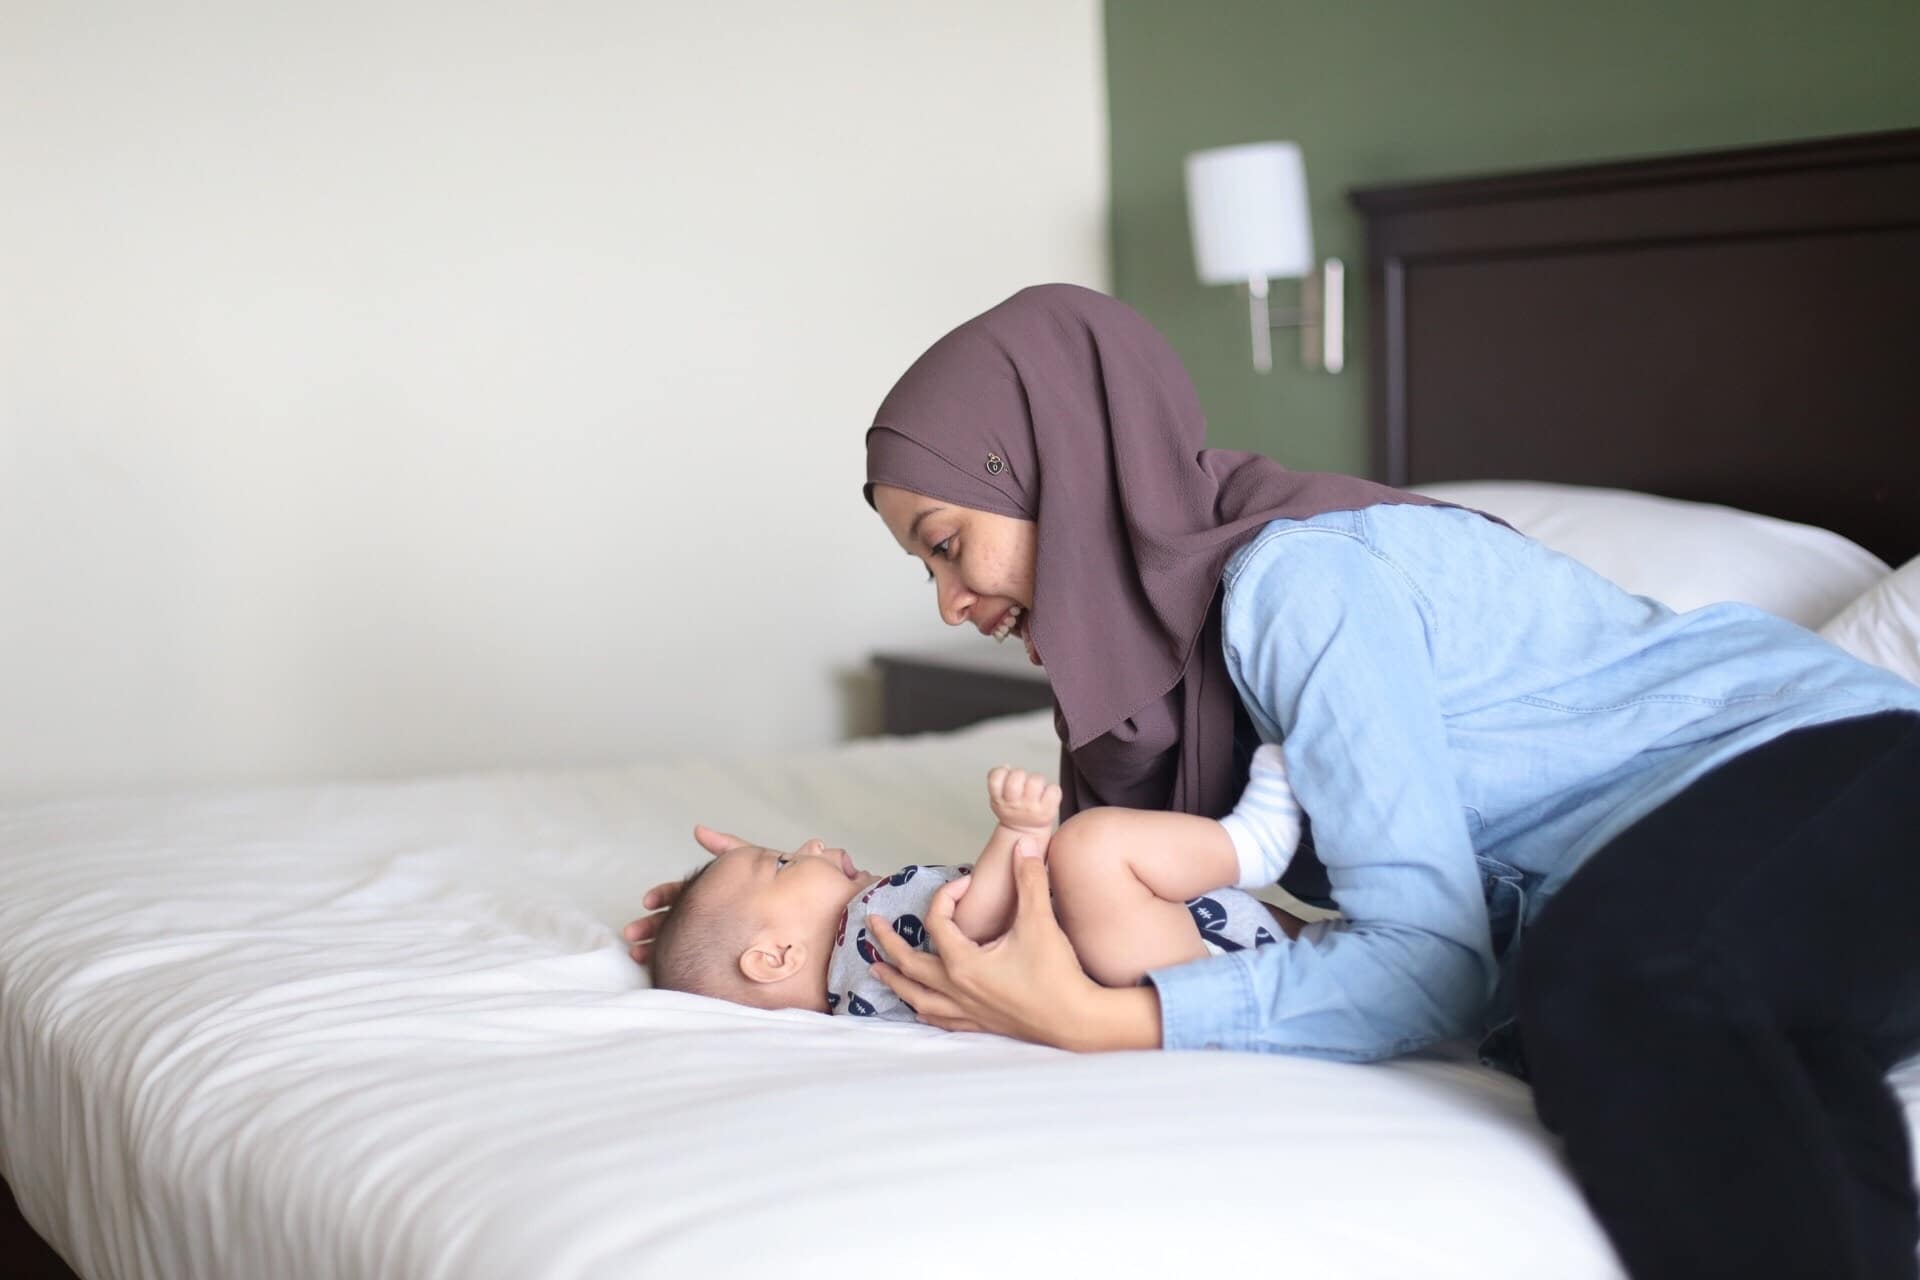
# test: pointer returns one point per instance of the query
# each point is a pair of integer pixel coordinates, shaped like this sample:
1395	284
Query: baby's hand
1022	799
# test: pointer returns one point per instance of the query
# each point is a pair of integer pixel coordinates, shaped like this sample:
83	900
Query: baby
1134	890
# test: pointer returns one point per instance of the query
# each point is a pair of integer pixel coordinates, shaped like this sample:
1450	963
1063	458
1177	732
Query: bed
383	1030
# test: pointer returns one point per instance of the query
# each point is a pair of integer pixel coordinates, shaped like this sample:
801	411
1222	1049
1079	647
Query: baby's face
806	889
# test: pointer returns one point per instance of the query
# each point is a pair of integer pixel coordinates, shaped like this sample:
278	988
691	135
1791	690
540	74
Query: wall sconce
1248	209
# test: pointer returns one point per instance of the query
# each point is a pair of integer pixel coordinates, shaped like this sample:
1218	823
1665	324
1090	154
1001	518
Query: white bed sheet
389	1030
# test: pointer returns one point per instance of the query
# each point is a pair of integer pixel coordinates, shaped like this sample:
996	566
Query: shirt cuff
1207	1004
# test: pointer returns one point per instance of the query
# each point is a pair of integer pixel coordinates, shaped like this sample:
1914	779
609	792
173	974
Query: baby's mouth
846	866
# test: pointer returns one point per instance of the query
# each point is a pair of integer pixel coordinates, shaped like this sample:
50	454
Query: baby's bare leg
1121	878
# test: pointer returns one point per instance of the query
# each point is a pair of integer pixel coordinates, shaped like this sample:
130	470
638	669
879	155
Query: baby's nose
813	848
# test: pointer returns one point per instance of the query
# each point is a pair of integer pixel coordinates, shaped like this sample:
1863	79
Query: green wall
1379	91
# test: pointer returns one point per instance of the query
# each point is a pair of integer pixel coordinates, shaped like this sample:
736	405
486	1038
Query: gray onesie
1228	920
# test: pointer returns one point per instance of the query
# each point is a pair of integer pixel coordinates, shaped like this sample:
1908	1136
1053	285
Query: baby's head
756	926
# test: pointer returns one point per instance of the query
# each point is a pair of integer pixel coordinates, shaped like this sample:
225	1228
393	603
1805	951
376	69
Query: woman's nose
954	602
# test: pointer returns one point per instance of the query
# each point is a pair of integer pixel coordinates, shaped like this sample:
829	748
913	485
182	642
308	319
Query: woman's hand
1027	983
639	934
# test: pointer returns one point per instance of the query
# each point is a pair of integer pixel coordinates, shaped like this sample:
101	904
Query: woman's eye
942	549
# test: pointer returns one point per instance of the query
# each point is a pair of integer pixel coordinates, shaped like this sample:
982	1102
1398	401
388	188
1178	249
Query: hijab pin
994	465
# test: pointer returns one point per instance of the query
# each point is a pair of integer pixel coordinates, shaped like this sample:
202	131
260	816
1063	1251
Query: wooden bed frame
23	1254
1739	327
1735	327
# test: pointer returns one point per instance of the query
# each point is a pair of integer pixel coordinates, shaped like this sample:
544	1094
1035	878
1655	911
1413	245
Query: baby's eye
780	862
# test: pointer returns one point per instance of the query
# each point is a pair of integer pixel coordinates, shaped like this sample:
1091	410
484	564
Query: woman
1667	861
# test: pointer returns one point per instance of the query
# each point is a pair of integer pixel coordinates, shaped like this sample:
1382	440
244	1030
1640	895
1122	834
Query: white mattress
389	1030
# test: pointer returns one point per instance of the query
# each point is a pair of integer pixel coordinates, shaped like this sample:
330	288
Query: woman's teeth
1001	632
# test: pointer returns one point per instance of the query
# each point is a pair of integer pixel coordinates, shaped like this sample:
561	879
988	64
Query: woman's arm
1327	642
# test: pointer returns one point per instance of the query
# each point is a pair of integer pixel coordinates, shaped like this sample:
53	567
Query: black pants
1710	1006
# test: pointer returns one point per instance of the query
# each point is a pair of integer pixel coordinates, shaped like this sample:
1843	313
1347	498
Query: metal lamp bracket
1321	319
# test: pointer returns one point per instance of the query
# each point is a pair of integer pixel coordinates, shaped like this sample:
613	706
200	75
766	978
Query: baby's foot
1024	801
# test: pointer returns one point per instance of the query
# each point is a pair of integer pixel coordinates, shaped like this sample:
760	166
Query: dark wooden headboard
1735	326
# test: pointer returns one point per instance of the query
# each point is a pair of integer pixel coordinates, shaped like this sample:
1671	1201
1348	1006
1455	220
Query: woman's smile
1016	621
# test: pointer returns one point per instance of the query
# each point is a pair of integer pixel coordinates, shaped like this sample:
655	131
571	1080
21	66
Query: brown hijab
1063	406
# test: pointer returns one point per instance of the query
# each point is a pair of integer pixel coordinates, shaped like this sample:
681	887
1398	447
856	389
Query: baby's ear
767	960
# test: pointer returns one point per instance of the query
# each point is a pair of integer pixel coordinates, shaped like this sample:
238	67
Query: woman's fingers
659	897
947	897
643	929
917	965
947	938
1033	892
716	842
927	1003
639	934
951	1024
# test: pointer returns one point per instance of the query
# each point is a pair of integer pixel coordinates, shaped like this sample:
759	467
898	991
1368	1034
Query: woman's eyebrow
913	530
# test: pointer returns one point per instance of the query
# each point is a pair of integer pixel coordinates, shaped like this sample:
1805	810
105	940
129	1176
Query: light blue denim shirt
1466	716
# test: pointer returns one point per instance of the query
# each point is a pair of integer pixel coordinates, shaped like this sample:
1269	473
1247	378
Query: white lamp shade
1248	208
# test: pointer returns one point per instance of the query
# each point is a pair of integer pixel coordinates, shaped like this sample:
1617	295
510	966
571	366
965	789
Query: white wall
426	385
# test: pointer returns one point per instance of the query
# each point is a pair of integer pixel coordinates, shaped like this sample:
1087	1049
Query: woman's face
980	563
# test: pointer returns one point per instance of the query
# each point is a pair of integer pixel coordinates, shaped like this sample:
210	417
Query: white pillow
1683	554
1883	626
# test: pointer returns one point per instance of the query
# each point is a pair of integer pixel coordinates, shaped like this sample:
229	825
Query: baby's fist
1023	799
